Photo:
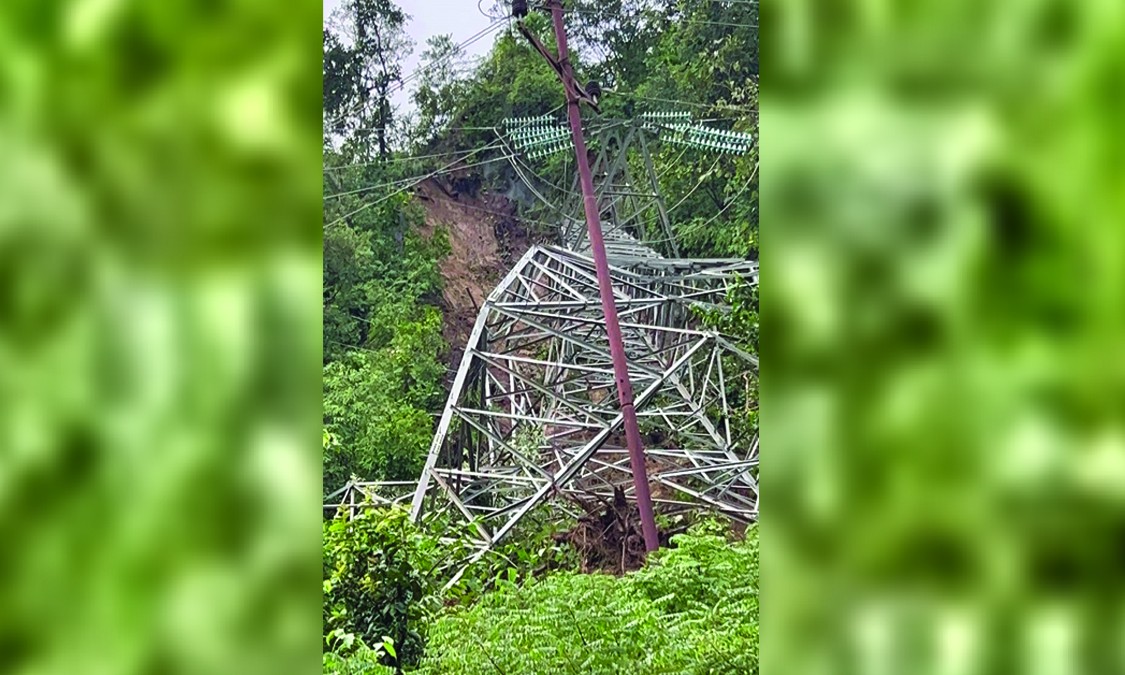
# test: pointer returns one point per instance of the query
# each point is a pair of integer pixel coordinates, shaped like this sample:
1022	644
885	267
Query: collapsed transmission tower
532	417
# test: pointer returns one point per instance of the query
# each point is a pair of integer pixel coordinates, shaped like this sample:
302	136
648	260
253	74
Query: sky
459	18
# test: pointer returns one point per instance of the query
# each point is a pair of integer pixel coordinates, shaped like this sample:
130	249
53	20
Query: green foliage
693	609
348	655
377	585
159	196
707	58
341	75
376	403
530	551
440	87
512	81
739	321
382	335
620	32
364	49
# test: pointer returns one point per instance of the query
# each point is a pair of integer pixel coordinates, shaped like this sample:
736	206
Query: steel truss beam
532	413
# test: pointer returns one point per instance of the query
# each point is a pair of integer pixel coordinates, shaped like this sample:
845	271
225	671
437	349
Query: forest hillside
427	207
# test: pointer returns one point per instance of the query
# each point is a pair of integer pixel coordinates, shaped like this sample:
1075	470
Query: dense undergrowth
692	609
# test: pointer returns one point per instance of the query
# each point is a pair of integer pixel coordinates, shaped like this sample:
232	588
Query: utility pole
574	94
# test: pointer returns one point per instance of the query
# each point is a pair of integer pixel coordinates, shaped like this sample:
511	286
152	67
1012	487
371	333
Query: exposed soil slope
485	238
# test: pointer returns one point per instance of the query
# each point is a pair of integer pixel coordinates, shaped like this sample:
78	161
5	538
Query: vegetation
524	608
377	585
693	609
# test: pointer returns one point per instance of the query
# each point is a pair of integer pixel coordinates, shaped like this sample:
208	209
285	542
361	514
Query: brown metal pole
605	288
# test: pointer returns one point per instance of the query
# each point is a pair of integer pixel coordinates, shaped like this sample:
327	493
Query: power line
470	41
417	72
681	20
413	178
517	164
698	184
692	228
395	160
399	191
748	108
407	180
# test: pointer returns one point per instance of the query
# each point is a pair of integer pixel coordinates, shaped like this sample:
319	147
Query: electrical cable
695	21
733	106
412	178
417	72
440	154
515	165
692	228
401	84
395	160
461	158
399	191
698	184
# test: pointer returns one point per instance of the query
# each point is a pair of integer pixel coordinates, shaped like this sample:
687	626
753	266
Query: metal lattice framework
532	414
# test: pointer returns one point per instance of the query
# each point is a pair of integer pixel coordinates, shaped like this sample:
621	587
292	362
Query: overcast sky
459	18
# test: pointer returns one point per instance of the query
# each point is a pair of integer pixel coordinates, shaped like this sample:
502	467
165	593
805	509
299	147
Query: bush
377	586
693	609
350	656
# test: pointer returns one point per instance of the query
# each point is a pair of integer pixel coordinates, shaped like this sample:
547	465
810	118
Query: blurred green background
943	238
159	336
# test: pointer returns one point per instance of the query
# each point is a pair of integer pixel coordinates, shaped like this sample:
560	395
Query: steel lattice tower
531	416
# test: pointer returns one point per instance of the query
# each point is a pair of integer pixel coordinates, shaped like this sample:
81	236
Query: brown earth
485	239
609	539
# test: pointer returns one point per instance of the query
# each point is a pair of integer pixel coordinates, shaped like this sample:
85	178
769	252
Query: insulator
519	8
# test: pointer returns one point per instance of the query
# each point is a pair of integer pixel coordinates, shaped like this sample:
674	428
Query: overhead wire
417	72
392	160
520	167
396	160
403	189
681	20
691	228
707	174
516	165
403	181
703	106
510	154
453	164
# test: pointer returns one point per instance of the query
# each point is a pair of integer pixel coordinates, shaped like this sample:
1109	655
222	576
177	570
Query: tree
382	335
341	78
440	87
615	35
364	51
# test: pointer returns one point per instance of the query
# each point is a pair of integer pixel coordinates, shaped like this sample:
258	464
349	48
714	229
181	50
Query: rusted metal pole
605	288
